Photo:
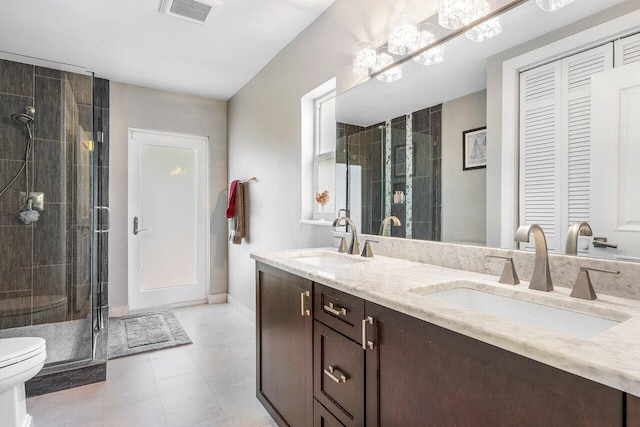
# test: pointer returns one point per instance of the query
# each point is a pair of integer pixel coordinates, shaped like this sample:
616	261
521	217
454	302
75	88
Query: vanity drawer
341	311
338	375
323	418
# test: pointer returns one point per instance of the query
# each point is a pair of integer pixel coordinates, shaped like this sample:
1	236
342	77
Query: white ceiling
463	70
130	41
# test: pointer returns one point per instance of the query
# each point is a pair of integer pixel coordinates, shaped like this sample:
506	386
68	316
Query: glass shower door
47	266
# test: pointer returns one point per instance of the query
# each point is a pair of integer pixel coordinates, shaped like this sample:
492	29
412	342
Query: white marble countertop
611	358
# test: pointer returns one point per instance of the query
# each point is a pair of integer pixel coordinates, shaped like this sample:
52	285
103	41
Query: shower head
25	118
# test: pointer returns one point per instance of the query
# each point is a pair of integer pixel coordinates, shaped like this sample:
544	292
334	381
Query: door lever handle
137	230
601	242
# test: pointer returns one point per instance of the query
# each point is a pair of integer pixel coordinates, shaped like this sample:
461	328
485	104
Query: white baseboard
217	298
243	309
118	311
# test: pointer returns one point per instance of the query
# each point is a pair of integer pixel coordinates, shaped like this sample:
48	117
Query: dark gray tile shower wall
48	262
365	147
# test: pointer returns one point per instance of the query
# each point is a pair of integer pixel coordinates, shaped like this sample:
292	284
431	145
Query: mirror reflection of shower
26	205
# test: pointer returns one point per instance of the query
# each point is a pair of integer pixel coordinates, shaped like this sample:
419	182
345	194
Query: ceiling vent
193	10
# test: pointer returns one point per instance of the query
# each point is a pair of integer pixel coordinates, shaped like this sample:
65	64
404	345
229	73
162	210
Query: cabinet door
633	411
419	374
284	345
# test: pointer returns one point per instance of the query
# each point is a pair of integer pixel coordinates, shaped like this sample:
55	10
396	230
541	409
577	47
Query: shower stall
392	168
53	215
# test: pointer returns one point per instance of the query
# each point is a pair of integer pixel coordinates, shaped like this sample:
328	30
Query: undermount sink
328	261
556	319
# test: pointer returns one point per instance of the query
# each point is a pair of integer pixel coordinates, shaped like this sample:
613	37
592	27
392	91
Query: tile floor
208	383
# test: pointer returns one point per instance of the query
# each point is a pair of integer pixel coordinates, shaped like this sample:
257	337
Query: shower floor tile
196	384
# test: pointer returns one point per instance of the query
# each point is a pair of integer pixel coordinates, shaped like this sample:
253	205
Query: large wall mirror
539	124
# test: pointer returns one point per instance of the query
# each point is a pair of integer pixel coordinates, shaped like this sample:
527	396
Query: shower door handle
106	227
137	230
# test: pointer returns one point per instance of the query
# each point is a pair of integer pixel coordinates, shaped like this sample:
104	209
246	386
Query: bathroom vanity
348	341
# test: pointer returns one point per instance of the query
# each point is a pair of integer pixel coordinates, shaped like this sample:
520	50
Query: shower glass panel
47	261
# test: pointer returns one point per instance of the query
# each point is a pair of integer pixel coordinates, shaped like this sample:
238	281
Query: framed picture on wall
474	149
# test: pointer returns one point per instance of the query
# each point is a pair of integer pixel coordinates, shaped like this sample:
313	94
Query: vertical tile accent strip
409	183
387	169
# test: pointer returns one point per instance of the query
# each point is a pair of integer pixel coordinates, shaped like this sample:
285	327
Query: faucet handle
367	251
343	244
583	287
509	275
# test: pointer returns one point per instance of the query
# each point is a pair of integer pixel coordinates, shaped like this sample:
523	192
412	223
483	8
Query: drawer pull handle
366	345
335	309
330	371
304	312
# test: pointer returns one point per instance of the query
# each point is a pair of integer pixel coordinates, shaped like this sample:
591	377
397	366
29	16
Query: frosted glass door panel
168	218
169	203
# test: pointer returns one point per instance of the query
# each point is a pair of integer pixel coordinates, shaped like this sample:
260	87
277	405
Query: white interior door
615	166
168	211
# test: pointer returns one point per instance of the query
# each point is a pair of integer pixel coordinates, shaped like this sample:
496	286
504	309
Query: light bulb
454	14
392	74
402	35
553	5
428	34
364	57
481	32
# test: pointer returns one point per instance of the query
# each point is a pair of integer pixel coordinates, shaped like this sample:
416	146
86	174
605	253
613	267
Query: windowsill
324	223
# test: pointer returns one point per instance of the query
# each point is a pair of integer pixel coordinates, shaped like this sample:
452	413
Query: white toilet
20	360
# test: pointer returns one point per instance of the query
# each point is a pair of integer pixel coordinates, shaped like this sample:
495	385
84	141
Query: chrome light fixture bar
462	30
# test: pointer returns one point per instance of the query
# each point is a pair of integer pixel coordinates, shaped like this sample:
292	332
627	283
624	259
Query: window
318	153
325	151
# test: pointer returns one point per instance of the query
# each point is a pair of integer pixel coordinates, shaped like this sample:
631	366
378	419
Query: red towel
231	207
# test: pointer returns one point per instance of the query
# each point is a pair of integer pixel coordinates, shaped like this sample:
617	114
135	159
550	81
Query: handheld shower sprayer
27	119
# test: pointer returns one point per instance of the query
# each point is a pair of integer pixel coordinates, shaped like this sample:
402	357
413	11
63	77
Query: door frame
206	206
510	132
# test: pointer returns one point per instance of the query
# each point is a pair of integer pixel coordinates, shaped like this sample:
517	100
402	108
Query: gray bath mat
144	332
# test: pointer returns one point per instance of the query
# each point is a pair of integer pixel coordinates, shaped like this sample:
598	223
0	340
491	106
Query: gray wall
463	192
139	107
494	106
264	130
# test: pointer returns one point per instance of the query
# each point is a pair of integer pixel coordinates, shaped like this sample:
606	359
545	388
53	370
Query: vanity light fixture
553	5
384	60
427	34
485	30
403	32
454	14
365	57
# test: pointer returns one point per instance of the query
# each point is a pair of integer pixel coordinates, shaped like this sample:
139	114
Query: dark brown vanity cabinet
412	373
284	345
419	374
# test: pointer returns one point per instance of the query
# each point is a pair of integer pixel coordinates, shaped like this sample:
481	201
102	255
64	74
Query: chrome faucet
385	224
541	277
354	248
576	229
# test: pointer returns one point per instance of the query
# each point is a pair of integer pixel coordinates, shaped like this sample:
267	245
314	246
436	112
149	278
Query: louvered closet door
627	50
555	143
577	71
540	156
